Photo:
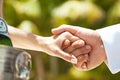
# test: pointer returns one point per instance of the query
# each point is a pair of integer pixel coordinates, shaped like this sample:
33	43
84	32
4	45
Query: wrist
43	43
102	49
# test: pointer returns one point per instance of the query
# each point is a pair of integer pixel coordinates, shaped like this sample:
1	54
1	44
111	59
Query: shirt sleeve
111	40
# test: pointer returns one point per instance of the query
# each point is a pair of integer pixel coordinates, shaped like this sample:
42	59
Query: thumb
67	57
64	28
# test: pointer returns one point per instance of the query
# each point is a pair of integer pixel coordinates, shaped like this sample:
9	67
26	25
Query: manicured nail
53	29
74	60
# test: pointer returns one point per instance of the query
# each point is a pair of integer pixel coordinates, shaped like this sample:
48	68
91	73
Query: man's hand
91	37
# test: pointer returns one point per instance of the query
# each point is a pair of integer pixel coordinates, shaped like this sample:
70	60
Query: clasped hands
83	44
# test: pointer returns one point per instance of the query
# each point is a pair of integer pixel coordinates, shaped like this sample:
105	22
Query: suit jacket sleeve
111	40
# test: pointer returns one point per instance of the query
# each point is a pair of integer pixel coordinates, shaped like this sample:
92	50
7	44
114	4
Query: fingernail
53	29
81	41
87	47
86	55
74	60
84	66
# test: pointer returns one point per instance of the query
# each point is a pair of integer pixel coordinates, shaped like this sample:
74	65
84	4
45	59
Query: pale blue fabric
111	40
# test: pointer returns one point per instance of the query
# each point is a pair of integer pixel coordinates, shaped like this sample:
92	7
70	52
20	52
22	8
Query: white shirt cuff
111	40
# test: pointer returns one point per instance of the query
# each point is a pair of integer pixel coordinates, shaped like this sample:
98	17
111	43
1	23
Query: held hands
81	52
54	46
60	46
91	58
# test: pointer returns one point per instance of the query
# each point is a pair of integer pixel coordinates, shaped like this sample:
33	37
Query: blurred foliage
82	13
40	16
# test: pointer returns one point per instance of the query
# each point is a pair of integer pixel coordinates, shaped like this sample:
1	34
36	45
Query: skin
52	45
91	37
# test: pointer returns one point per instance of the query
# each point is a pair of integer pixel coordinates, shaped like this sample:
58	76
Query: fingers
70	37
65	39
82	57
66	56
66	43
83	50
66	36
64	28
81	64
75	45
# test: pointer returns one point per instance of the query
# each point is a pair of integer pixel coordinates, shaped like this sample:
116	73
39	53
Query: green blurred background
40	16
